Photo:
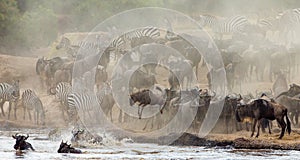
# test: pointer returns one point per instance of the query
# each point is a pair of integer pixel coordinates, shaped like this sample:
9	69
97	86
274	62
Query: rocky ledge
188	139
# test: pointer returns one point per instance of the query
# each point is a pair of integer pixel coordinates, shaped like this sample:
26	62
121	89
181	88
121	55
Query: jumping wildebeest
66	148
21	143
144	98
261	108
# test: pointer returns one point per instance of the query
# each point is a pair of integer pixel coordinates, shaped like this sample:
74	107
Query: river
126	149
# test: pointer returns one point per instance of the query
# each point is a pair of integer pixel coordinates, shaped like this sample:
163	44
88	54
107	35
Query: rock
187	139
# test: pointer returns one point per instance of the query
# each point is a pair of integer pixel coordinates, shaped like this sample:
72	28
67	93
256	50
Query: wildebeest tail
288	123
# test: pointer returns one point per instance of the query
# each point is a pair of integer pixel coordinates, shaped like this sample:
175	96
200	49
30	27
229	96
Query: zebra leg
24	110
29	114
9	109
15	110
1	104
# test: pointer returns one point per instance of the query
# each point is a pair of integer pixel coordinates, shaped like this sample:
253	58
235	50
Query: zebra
10	93
87	103
288	23
221	26
138	34
31	102
62	90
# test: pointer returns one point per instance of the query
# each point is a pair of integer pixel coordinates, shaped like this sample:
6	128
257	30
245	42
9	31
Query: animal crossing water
127	149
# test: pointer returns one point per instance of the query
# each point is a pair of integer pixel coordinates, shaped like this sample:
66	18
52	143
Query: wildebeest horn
271	91
27	136
214	94
14	136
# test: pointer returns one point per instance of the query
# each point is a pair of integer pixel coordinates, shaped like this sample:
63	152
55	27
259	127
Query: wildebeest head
21	143
241	112
66	148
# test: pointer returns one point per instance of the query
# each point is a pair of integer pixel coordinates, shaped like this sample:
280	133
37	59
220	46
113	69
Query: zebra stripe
221	25
83	102
63	89
264	23
31	102
151	32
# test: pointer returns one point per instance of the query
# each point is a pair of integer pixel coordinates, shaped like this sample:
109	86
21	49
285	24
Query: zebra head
64	43
15	90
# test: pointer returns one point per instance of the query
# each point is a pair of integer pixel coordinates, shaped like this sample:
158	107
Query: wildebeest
66	148
46	69
82	135
140	80
21	143
144	98
261	108
293	91
280	85
293	106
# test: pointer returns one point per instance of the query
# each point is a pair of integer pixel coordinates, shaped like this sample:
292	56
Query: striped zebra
221	26
84	103
31	102
288	24
138	34
62	90
73	48
10	93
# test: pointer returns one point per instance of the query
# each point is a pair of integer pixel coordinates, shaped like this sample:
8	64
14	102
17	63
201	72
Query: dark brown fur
259	109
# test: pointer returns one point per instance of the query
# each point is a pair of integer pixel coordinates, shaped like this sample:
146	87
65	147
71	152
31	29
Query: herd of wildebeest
242	61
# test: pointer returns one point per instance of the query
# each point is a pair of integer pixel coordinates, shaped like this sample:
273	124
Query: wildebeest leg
30	146
120	116
293	115
258	127
227	124
283	126
142	108
139	111
1	104
296	117
269	127
253	127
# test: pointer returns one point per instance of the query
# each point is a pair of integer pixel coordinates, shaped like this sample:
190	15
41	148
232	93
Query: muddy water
124	149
